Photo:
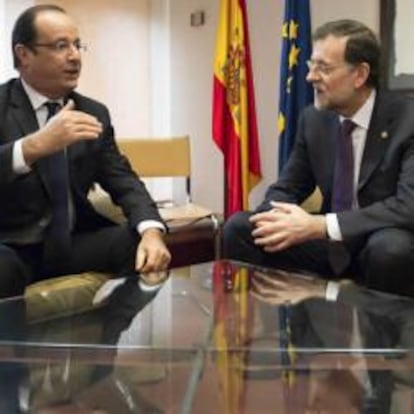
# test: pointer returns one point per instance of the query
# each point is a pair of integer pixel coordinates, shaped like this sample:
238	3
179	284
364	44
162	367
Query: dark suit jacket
25	198
386	182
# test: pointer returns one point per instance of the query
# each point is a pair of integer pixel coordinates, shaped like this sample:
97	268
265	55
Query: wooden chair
159	157
194	231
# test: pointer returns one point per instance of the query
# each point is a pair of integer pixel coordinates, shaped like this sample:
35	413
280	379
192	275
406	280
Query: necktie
343	185
57	237
343	190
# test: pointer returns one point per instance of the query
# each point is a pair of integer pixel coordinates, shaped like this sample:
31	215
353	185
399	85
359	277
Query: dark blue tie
343	184
342	190
57	237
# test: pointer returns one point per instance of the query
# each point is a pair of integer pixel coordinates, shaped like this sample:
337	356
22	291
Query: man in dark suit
373	237
47	53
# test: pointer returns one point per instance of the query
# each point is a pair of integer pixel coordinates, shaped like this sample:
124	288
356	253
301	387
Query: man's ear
362	73
22	52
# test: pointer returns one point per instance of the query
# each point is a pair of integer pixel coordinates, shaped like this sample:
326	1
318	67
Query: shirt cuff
332	291
149	288
150	224
332	227
19	164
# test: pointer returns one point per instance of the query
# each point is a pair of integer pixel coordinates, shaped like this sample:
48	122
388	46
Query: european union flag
295	92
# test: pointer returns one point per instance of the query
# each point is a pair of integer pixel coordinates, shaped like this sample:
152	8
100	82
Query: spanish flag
295	91
234	112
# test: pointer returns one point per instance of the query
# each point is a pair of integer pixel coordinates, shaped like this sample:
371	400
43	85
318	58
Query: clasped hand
284	226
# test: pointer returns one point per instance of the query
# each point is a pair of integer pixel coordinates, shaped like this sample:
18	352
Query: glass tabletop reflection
242	338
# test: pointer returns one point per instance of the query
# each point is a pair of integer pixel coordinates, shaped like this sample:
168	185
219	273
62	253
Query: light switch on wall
197	18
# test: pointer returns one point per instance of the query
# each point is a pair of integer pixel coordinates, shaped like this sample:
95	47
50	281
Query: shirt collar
362	117
37	99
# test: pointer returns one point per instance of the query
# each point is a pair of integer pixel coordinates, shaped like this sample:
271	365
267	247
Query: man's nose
311	76
74	51
74	54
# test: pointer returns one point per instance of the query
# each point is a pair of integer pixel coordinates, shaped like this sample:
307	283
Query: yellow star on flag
293	56
293	30
285	30
281	123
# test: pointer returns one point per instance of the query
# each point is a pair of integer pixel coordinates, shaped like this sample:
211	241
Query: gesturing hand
63	129
69	126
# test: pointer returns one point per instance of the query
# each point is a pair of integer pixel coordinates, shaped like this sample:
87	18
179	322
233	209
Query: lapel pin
384	135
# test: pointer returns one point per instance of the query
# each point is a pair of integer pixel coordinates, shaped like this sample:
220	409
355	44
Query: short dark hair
24	31
362	45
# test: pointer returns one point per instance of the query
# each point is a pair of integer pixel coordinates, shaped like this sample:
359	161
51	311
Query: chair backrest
158	157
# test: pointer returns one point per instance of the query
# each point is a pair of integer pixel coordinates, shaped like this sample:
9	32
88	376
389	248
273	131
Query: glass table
219	337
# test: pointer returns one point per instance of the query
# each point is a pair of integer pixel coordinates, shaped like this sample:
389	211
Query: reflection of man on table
375	321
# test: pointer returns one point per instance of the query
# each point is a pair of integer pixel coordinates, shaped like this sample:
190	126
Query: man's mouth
72	72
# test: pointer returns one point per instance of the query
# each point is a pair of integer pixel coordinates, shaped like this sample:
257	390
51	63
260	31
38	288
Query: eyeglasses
323	68
63	46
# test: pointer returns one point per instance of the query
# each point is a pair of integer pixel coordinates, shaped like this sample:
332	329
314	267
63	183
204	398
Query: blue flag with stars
295	92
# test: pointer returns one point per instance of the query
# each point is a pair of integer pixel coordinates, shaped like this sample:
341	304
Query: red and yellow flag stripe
234	111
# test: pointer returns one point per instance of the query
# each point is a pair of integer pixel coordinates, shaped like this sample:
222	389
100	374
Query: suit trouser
238	244
384	262
108	249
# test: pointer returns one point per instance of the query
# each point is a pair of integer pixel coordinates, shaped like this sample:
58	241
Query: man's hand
63	129
153	279
152	253
286	225
280	287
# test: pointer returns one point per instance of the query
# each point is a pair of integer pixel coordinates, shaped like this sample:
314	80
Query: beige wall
9	10
116	65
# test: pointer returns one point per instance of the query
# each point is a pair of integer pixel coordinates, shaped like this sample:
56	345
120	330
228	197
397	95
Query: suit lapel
378	139
25	116
21	109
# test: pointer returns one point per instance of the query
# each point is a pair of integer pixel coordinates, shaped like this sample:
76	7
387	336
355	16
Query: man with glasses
357	145
55	144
